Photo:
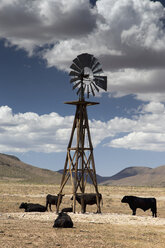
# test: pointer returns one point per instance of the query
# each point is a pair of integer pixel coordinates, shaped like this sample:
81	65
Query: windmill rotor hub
88	75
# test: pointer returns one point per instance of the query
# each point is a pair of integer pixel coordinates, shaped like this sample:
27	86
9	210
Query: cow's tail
155	208
46	204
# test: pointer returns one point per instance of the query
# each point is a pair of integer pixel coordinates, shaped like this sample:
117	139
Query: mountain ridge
139	176
12	168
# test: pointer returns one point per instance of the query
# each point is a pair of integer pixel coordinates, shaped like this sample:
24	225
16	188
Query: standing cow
142	203
52	200
89	199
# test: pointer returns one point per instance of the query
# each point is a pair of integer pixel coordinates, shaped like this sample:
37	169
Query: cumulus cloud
145	85
49	133
28	24
128	38
146	131
129	41
141	141
25	132
129	35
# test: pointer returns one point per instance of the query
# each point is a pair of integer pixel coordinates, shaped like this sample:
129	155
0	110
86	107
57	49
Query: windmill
86	78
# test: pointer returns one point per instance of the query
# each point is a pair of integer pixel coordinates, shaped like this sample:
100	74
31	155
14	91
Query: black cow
52	200
139	202
66	210
32	207
63	221
89	199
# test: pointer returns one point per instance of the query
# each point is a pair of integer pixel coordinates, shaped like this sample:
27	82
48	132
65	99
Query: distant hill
100	179
138	176
134	176
12	169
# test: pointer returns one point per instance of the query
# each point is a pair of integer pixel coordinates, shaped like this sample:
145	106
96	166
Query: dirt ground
115	227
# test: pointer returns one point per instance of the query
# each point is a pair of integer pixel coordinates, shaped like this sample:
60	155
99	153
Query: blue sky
39	40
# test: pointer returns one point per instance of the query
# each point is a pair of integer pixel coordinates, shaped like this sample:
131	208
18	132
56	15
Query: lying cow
63	221
142	203
32	207
52	200
89	199
66	210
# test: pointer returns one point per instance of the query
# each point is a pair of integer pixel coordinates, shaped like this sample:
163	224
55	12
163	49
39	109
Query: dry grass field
115	227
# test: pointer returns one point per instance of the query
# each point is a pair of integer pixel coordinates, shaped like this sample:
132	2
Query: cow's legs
50	207
134	211
154	214
154	209
84	208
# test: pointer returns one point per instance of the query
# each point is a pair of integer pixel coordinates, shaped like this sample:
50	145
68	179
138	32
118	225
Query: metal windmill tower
79	163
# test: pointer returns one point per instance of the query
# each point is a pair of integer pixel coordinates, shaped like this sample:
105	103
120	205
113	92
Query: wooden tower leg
70	167
92	171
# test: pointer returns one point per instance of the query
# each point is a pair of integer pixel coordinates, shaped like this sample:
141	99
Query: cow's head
60	195
78	195
23	205
125	199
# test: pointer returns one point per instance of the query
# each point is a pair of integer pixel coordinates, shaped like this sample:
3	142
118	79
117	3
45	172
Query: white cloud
146	131
154	107
49	133
128	38
31	132
145	85
28	24
129	41
141	141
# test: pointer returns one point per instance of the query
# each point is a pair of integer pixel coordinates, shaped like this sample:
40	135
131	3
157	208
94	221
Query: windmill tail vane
85	75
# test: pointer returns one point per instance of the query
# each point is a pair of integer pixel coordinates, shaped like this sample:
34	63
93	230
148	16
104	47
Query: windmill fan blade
96	66
93	62
95	87
98	70
101	82
84	87
85	59
88	91
78	91
102	78
78	63
74	73
74	67
92	90
76	85
74	79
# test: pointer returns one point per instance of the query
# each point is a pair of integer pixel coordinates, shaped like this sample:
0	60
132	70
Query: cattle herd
64	220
